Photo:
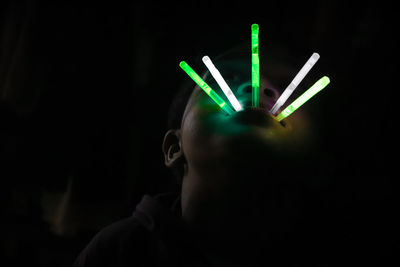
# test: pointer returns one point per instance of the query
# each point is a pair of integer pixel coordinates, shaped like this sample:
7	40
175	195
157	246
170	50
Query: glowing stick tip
254	27
315	56
206	58
325	80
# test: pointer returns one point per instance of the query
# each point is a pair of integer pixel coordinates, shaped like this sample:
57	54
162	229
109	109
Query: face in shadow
245	163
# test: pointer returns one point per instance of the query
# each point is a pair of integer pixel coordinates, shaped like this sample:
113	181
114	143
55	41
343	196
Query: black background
85	90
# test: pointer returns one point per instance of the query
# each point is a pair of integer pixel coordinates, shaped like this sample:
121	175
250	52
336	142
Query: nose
270	92
268	97
243	93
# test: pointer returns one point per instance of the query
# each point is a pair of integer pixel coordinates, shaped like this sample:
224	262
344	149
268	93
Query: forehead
240	65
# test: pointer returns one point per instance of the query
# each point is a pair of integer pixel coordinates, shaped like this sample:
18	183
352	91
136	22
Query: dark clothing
153	236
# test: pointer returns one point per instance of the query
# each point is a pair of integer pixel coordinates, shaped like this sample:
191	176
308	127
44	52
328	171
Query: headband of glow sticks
255	81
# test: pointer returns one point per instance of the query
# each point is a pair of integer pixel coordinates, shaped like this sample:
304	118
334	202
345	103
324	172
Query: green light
255	66
206	88
318	86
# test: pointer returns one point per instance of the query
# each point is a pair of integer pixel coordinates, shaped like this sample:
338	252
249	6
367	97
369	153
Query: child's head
227	158
192	107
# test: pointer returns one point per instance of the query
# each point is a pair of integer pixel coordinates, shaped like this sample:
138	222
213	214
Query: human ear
173	153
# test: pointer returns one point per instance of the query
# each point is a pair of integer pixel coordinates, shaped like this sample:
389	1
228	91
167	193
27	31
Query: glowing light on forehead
221	82
206	88
297	79
255	66
317	87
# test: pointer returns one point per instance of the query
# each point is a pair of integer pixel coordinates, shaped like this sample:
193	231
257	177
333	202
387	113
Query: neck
230	216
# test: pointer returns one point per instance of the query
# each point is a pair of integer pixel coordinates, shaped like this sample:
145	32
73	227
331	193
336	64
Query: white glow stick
221	82
295	82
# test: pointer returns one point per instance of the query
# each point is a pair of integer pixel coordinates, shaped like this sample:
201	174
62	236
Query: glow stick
255	66
221	82
206	88
295	82
318	86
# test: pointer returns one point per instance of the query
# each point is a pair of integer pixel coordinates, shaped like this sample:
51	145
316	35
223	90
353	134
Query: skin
235	165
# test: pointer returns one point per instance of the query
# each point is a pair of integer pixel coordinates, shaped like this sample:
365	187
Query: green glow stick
206	88
255	66
318	86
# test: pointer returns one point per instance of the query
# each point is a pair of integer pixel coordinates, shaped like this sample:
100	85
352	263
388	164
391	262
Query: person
244	184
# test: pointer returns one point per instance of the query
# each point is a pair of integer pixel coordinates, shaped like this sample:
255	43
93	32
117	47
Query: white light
221	82
295	82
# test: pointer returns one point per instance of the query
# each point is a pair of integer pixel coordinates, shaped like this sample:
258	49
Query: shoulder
141	238
123	231
115	245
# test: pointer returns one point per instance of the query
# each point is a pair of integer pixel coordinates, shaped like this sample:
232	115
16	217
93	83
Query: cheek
202	125
190	195
193	132
195	139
